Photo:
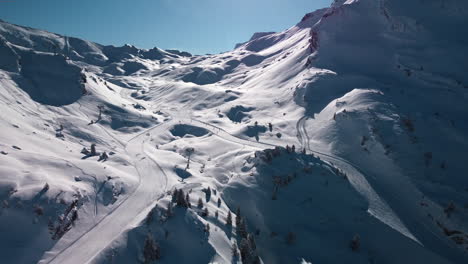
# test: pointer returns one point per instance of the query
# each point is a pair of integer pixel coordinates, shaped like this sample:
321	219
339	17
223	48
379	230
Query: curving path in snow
377	206
151	186
405	203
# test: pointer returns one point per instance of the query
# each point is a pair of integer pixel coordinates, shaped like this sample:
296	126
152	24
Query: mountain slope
372	94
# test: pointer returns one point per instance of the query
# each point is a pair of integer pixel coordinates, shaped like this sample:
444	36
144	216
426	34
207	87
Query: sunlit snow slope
340	140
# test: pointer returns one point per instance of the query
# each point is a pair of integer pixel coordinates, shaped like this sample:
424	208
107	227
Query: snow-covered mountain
340	140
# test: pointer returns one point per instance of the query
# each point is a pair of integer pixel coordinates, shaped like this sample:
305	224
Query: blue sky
197	26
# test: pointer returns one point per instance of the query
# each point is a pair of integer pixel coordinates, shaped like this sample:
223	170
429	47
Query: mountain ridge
340	138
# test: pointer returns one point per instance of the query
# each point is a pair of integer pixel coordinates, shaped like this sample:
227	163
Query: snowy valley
343	139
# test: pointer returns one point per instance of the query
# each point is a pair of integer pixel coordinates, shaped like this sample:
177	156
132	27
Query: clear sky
197	26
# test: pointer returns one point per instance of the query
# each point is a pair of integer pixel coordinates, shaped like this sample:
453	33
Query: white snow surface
373	95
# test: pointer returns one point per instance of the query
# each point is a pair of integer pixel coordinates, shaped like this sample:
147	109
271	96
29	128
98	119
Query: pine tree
187	199
251	239
205	212
169	210
151	250
238	216
93	149
149	218
355	243
181	201
50	226
234	250
74	217
248	251
200	203
229	219
290	238
245	251
174	195
242	229
219	202
216	214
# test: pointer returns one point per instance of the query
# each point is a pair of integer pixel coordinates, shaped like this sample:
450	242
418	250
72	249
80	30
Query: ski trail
377	206
153	184
99	236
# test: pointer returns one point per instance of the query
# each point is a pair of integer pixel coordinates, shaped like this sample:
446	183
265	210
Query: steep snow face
394	32
371	93
9	57
394	103
50	79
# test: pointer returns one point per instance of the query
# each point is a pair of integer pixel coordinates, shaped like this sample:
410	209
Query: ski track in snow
112	225
178	97
149	191
377	206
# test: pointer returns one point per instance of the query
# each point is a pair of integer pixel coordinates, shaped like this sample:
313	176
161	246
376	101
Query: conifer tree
187	199
229	219
205	212
238	216
174	195
181	201
234	250
93	149
169	210
151	250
